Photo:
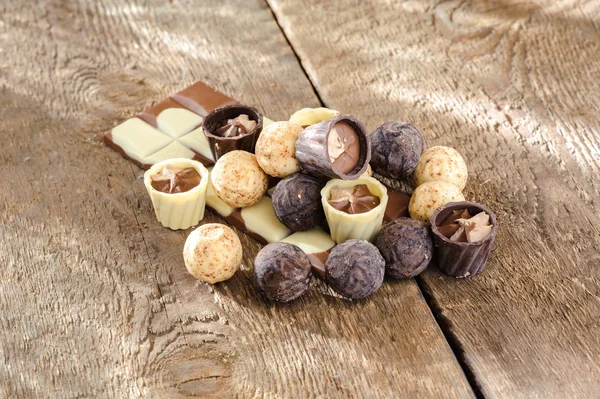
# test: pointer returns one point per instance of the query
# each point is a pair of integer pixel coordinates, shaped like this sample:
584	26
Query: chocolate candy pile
305	188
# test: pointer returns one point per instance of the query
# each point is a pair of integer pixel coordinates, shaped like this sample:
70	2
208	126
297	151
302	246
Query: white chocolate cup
362	226
178	210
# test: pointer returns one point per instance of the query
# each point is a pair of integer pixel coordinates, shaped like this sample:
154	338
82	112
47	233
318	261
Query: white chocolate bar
177	122
261	219
138	139
173	150
196	140
312	241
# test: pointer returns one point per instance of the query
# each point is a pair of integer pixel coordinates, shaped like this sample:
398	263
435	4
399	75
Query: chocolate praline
406	246
220	145
282	272
395	149
337	148
297	202
355	269
462	259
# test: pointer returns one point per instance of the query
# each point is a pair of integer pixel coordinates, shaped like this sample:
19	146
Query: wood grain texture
513	85
94	298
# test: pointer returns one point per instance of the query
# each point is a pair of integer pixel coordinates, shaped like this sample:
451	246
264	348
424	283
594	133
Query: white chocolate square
177	121
198	142
216	203
267	121
261	219
311	241
139	139
173	150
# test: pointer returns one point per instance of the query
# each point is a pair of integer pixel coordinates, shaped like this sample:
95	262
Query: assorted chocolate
177	188
238	180
297	202
338	147
355	269
396	149
212	253
276	149
460	258
406	247
354	209
231	128
328	214
282	272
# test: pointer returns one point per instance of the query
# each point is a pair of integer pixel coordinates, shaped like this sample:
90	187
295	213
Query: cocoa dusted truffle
282	272
355	269
297	202
395	149
406	247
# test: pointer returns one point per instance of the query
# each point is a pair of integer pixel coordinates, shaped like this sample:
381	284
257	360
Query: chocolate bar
170	129
173	129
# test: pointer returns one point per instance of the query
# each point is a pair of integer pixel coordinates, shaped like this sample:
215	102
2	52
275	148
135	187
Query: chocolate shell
462	259
220	145
313	154
297	202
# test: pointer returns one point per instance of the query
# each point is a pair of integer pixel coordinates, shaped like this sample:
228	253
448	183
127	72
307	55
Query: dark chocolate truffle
355	269
395	149
297	202
406	246
282	272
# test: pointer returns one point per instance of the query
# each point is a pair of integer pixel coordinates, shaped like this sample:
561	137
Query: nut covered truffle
276	149
282	272
441	163
396	148
430	196
355	269
297	202
406	247
238	180
212	253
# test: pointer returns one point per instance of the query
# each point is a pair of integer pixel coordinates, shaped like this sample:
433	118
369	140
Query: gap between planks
441	321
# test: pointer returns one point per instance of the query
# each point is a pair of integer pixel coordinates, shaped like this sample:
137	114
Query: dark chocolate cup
219	145
312	152
462	259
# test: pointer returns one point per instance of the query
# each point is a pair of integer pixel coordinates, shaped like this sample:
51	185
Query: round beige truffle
238	180
212	253
430	196
276	149
441	163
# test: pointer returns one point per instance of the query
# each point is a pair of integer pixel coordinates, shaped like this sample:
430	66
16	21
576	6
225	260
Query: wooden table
95	300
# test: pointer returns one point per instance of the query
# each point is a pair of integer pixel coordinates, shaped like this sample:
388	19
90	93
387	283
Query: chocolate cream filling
238	126
460	226
353	200
343	147
173	180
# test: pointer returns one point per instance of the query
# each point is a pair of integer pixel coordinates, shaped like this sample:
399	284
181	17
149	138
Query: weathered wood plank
513	85
94	297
